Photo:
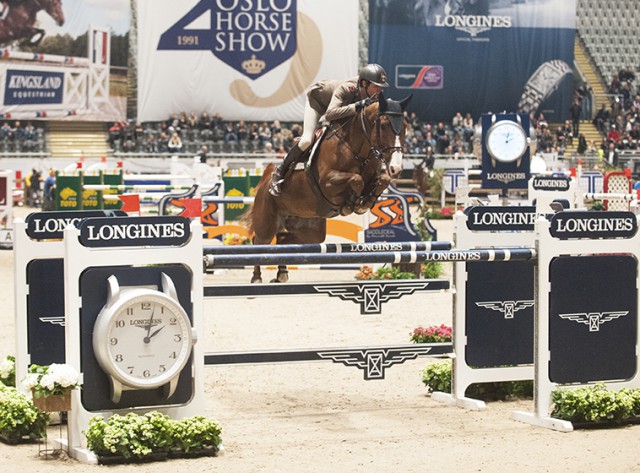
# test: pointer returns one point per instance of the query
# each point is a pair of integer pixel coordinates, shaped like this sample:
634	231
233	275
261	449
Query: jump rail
514	254
328	248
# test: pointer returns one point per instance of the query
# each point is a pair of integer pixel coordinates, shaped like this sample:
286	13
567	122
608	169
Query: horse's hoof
274	280
283	277
256	280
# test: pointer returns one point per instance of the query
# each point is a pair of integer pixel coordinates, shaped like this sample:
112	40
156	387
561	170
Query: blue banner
476	56
33	87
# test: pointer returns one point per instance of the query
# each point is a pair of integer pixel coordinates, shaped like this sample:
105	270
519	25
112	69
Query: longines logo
594	319
51	225
473	24
135	231
372	296
593	225
501	218
507	308
506	177
56	320
551	183
374	361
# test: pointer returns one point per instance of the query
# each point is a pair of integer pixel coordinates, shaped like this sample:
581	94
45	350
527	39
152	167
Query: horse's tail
247	218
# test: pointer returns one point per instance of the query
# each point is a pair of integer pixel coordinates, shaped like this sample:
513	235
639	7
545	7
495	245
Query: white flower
6	367
31	381
48	381
64	375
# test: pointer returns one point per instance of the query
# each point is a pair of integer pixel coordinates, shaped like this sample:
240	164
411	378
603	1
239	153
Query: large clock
142	338
506	141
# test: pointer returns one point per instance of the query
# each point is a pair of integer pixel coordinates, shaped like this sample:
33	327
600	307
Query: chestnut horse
352	166
20	21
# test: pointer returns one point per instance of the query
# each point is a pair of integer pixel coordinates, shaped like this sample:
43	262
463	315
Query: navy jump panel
45	311
592	318
499	313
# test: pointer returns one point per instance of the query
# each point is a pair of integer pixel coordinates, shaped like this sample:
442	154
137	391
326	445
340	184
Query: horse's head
54	9
390	130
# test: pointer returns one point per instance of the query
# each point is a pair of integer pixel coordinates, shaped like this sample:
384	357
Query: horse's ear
383	104
405	102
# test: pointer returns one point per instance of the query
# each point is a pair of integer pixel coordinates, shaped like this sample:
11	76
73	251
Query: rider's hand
363	104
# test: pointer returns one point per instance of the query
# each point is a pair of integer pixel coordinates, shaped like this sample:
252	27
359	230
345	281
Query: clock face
145	339
506	141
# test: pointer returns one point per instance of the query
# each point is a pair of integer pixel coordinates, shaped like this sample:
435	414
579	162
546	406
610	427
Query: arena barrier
586	306
493	315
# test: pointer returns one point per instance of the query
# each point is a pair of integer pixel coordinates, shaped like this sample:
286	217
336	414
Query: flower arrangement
433	334
50	380
134	436
18	416
8	371
440	214
235	239
367	272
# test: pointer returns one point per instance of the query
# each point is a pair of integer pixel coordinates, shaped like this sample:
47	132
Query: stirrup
275	187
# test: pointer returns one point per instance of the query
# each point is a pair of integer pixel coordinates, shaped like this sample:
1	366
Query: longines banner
241	58
476	56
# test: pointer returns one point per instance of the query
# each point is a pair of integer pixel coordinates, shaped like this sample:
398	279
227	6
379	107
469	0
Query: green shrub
137	436
437	377
594	404
18	416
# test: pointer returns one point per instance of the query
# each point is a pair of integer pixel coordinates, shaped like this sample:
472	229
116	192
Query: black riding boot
282	170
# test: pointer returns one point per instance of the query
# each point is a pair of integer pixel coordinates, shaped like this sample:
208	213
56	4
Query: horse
19	22
354	163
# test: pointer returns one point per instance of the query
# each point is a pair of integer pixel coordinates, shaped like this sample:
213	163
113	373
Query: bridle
373	137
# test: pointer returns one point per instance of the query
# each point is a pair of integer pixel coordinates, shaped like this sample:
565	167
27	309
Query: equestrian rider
334	100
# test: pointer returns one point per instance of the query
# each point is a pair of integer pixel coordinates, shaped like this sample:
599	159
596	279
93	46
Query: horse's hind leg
300	231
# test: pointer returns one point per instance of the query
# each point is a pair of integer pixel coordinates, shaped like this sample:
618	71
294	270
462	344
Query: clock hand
156	332
150	322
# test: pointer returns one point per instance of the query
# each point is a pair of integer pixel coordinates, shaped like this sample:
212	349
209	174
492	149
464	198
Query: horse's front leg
369	199
346	185
257	275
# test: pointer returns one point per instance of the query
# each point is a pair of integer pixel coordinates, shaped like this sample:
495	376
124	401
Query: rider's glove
363	104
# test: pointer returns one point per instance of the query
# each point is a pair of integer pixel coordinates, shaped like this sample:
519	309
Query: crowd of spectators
619	123
16	137
189	133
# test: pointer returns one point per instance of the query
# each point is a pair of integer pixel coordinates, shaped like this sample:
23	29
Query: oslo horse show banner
243	59
476	56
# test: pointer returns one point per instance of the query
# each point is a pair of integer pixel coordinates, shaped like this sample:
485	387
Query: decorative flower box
53	403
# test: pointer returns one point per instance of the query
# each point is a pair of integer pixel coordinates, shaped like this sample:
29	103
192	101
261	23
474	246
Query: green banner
112	178
235	186
91	199
68	191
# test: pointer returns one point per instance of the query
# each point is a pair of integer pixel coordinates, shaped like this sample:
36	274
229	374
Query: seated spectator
151	144
230	133
614	135
175	143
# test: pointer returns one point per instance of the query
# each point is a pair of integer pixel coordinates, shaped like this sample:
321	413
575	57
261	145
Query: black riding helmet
375	74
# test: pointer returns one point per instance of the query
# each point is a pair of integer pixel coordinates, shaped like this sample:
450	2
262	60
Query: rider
334	100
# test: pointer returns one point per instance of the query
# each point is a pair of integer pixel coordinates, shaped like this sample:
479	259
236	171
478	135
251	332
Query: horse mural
19	24
354	163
